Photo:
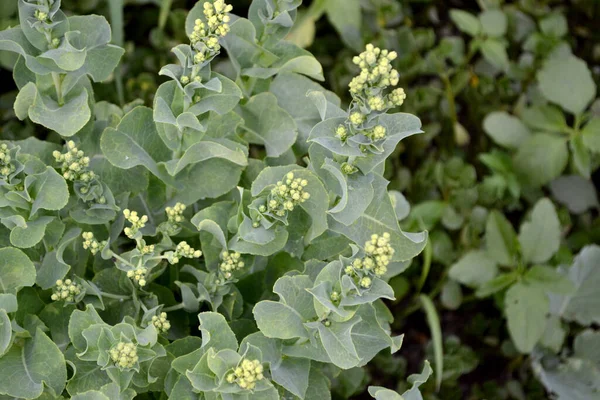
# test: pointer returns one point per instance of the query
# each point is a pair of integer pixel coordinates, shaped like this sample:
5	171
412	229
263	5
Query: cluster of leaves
507	94
226	243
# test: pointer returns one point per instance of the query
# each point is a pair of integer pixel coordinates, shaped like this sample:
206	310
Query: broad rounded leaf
26	369
49	189
591	135
268	124
583	306
541	158
575	192
567	81
494	51
506	130
540	237
16	270
493	22
465	21
277	320
474	269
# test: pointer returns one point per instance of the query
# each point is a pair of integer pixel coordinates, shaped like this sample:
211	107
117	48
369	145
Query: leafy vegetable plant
204	200
234	241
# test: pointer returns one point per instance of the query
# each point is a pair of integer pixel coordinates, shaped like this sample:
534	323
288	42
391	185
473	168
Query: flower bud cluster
231	261
137	222
397	97
348	168
138	275
341	132
175	213
161	323
286	195
369	93
205	36
124	355
376	71
75	164
6	165
184	250
377	133
91	244
246	374
66	290
41	15
356	118
146	248
335	296
378	255
380	250
216	17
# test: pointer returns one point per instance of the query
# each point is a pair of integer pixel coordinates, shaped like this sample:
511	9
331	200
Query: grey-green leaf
567	81
541	158
500	239
506	130
494	51
575	192
493	22
66	119
31	234
277	320
583	306
268	124
135	141
526	309
540	237
49	190
474	269
591	135
16	270
466	22
26	369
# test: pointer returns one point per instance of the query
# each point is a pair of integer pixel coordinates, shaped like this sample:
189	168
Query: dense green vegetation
277	199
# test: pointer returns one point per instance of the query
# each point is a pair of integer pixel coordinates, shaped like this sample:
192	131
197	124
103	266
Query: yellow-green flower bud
396	98
124	355
91	244
246	374
138	275
365	282
335	296
341	132
136	221
357	118
66	290
161	323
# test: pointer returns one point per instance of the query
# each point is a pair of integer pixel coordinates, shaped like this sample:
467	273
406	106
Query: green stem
450	98
578	119
124	261
173	308
165	8
146	208
427	254
316	10
118	38
115	296
58	86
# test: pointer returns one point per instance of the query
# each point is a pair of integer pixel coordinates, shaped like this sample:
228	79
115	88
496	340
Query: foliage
335	199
